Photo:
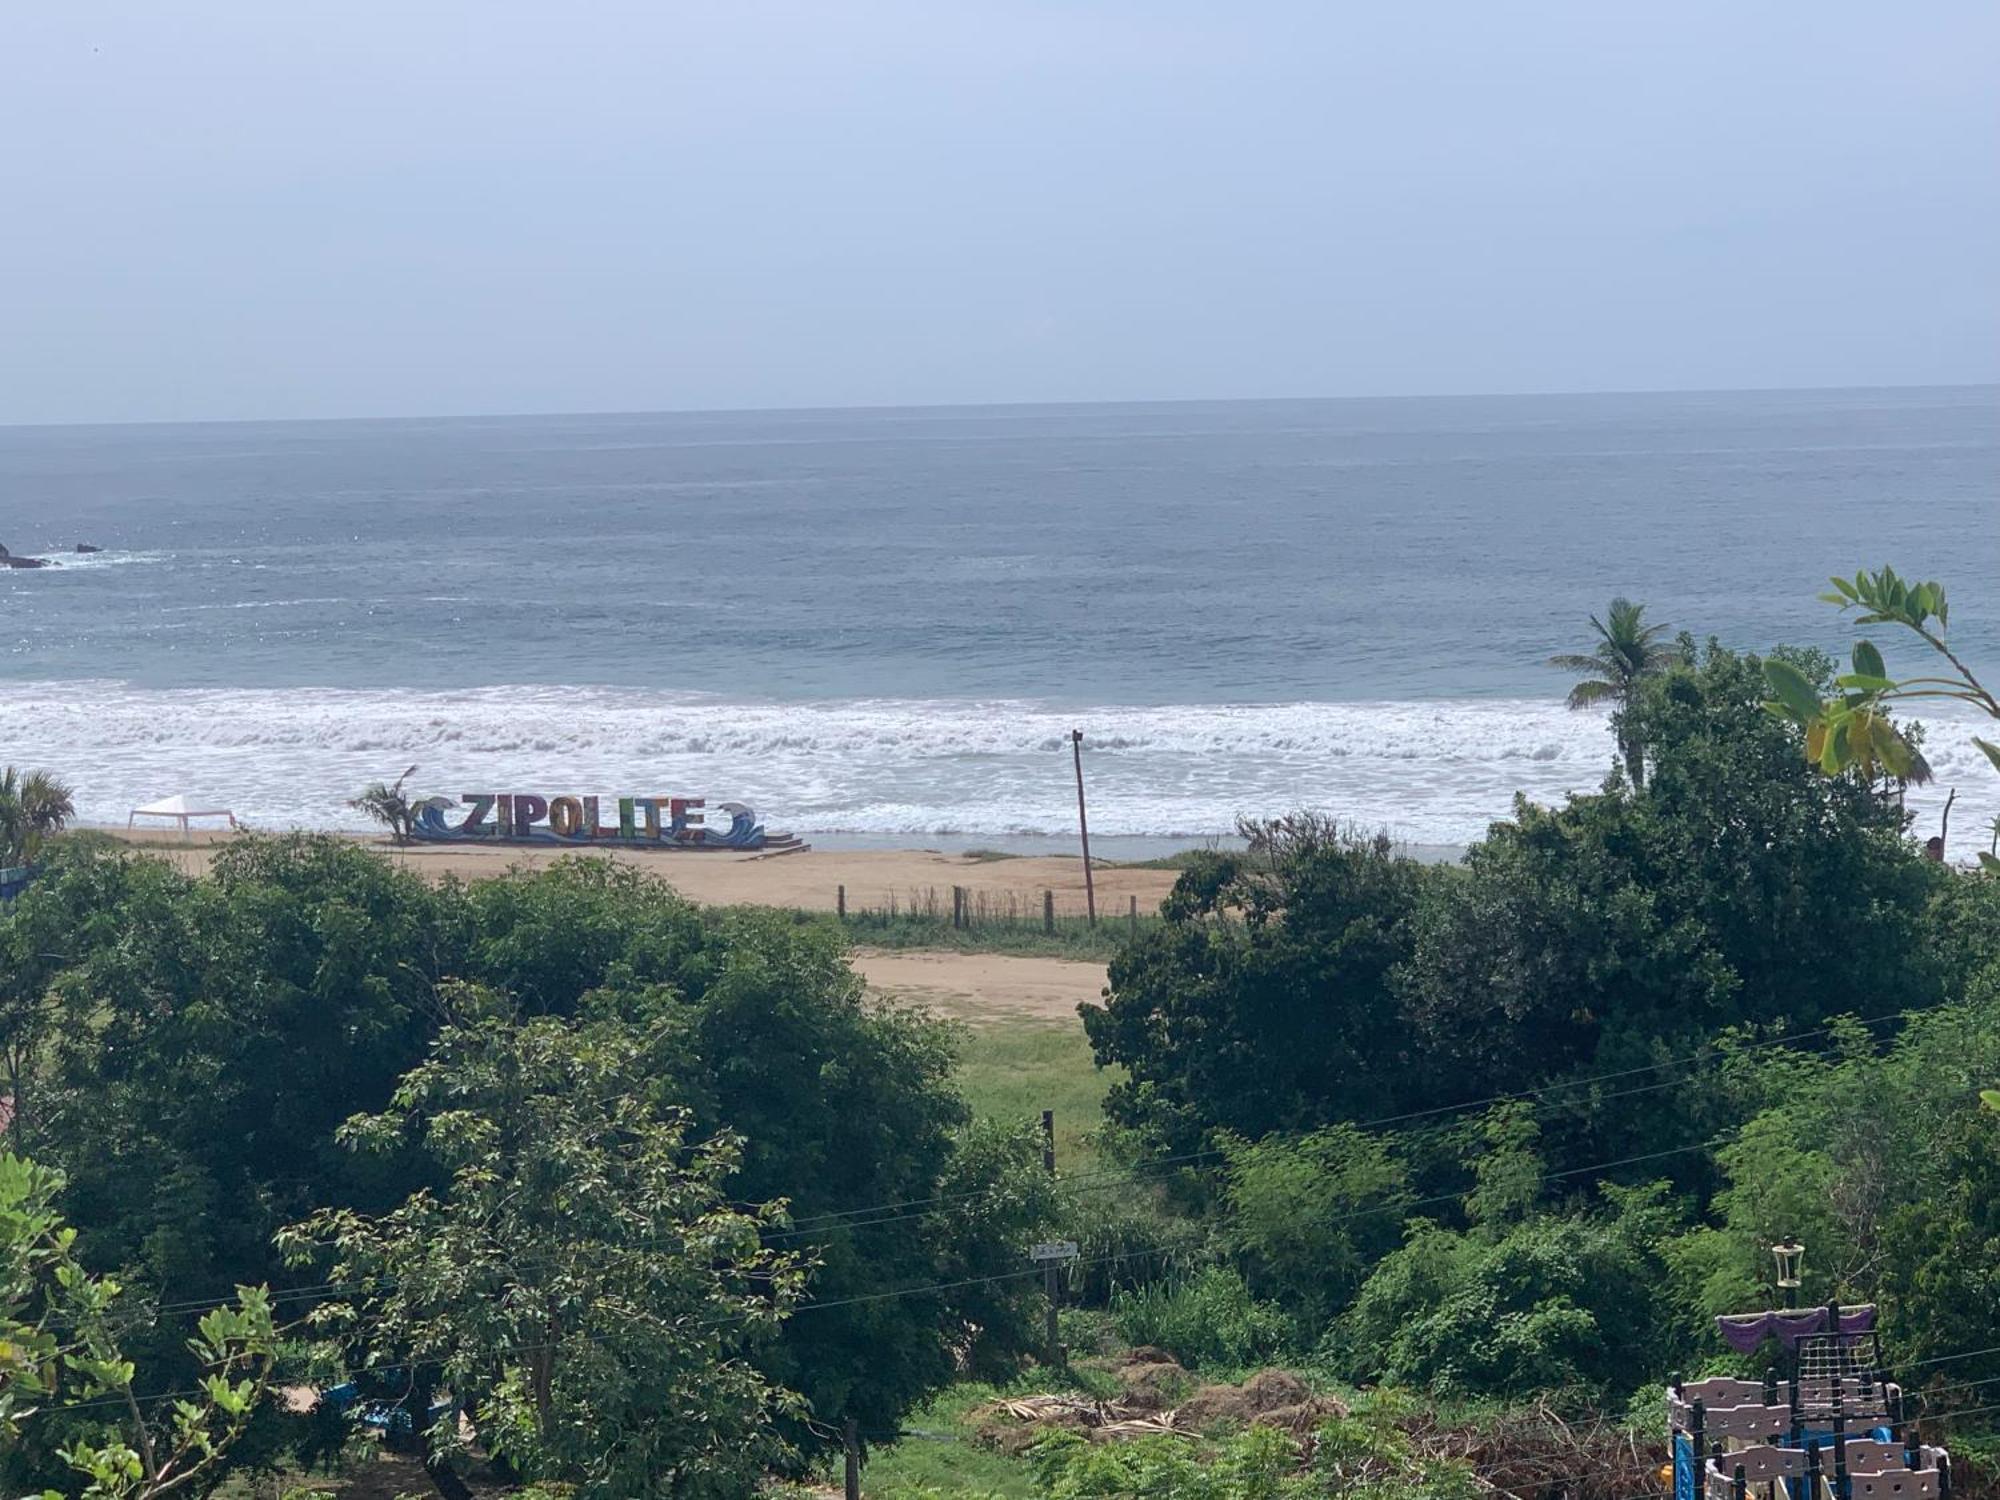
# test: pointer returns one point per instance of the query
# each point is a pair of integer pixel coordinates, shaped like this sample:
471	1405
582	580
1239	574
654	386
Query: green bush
1307	1218
1124	1242
1361	1457
1209	1319
1550	1306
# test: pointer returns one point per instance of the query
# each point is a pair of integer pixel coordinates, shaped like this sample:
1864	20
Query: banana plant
1852	729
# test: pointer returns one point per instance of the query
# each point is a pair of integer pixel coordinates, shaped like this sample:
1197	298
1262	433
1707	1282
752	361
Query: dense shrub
1207	1319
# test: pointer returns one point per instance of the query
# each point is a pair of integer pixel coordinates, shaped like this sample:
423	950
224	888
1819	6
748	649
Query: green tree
189	1046
1266	1001
1322	980
842	1102
385	803
1556	1303
62	1367
583	1282
1851	728
1740	889
1877	1159
1626	653
34	807
1307	1216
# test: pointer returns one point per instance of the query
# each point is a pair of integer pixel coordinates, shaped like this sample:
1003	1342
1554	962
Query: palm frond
1590	693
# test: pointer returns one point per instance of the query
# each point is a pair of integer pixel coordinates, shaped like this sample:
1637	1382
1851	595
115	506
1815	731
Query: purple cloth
1746	1331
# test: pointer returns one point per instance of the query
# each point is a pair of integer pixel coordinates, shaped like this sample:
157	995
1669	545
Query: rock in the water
23	562
88	547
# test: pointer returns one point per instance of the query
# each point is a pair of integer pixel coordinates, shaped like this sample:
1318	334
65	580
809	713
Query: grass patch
1014	1072
1180	860
986	856
940	1456
1073	937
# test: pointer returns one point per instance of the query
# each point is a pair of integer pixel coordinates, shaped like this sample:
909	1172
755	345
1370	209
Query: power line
1110	1178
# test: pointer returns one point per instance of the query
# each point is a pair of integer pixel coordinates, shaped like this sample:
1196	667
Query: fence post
1051	1286
958	906
850	1441
1132	917
1049	912
840	902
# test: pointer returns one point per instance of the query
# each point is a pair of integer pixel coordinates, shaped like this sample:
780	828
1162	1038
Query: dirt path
983	989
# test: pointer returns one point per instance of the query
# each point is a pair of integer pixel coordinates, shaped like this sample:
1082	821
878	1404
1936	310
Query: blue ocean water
885	621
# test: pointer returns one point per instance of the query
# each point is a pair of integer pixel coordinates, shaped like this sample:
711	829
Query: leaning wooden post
1083	828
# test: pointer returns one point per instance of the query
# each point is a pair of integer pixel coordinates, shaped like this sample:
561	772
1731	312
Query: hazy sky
295	208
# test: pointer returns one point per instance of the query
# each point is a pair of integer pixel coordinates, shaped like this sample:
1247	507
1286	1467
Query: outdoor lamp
1788	1255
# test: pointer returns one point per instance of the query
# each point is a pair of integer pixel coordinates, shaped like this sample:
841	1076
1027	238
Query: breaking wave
1435	771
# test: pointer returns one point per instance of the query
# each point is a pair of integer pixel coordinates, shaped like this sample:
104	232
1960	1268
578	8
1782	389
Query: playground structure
1833	1429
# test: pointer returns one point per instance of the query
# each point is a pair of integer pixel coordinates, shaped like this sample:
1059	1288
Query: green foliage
34	807
1074	936
1323	979
1014	1070
1127	1235
1851	728
1208	1319
1552	1304
386	805
1365	1455
1306	1217
582	1282
1626	653
1266	1003
62	1367
185	1049
1882	1164
1740	888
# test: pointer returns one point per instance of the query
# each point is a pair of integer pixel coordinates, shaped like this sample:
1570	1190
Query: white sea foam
70	561
1429	771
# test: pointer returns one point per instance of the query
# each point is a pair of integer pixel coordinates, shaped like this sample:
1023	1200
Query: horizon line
858	408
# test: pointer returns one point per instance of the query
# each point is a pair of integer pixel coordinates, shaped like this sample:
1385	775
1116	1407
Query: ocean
880	626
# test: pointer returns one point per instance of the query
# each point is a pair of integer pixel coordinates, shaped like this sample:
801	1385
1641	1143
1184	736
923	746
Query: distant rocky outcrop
88	547
9	560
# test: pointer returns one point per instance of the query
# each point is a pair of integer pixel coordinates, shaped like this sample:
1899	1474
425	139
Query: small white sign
1053	1250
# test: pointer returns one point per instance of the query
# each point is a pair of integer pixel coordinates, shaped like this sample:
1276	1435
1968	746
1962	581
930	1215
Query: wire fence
964	908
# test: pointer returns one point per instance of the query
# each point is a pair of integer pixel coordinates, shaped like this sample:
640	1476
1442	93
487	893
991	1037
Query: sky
218	211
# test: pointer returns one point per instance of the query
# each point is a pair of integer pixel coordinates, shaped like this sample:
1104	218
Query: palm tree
1628	651
386	804
34	806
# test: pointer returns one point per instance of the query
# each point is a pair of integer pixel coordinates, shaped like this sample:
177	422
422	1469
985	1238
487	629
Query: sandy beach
810	880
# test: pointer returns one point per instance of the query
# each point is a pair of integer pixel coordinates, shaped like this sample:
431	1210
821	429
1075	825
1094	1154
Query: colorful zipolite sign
636	822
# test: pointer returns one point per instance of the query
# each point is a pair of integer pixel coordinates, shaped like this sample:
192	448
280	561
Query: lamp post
1788	1255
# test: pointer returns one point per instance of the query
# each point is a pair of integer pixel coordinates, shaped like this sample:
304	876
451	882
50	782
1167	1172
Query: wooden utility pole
1083	827
1050	1269
850	1439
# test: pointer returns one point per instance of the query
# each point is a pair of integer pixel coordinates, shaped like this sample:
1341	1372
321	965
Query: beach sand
808	881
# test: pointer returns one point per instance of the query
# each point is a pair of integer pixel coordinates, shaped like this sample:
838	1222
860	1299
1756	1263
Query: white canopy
179	809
